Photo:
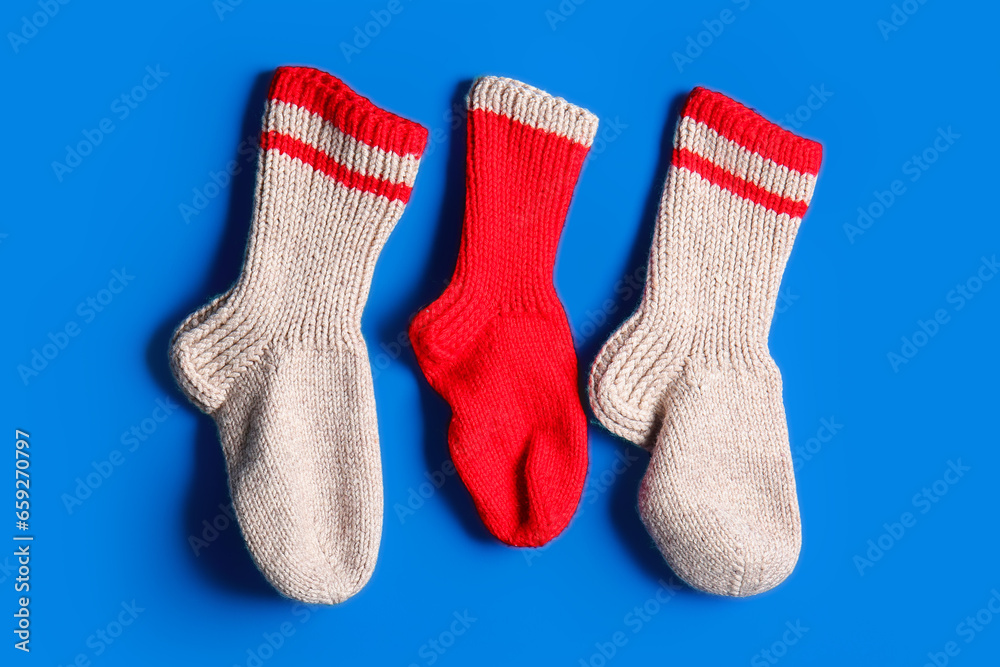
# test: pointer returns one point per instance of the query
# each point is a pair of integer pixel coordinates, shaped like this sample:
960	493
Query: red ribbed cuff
746	127
329	97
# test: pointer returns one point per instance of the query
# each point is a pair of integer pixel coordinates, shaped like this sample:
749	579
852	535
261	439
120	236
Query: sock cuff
318	119
739	150
327	96
533	107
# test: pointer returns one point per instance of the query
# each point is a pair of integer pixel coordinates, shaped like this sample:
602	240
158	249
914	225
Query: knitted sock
497	345
719	495
279	361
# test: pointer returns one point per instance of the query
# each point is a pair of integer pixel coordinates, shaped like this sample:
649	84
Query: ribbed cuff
331	98
534	108
746	127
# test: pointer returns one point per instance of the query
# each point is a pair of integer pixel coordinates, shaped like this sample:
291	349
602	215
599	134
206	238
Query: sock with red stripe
689	374
279	361
497	345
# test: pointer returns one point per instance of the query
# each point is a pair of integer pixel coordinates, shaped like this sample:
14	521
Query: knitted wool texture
279	360
689	374
497	345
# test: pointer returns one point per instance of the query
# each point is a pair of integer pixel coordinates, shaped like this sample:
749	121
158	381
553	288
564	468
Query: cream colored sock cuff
533	107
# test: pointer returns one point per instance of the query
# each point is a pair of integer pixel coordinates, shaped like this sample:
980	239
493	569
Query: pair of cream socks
689	376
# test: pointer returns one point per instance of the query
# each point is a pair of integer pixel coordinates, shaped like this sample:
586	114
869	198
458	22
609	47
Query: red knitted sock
497	345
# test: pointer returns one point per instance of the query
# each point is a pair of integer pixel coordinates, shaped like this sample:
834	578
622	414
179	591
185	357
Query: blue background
847	301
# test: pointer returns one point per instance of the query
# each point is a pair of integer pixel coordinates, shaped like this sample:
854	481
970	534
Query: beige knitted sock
689	375
279	360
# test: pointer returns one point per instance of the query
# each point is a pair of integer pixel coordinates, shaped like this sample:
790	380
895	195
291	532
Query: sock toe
305	473
525	495
719	494
715	551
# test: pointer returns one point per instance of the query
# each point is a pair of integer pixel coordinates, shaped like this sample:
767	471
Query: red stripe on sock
320	161
738	186
327	96
752	131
